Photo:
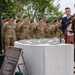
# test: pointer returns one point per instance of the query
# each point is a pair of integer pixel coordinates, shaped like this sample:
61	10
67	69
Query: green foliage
32	8
6	8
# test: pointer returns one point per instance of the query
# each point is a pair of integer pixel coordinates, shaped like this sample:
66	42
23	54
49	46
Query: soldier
18	30
44	20
48	32
3	20
40	29
60	21
52	27
24	28
55	22
3	36
57	31
10	36
59	24
32	30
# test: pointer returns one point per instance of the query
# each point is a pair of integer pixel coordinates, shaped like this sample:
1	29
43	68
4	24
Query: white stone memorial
47	57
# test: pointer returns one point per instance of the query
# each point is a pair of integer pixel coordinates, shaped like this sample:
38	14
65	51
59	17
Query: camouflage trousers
9	41
17	37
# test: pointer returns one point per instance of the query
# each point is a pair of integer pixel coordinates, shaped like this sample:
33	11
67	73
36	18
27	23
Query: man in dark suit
66	19
65	22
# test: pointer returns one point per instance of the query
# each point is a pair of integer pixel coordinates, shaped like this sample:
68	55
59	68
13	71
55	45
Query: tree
36	8
6	7
32	8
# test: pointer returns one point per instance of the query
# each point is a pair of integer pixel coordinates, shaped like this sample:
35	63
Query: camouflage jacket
9	30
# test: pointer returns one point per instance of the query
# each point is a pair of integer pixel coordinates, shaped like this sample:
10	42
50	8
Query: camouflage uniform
48	32
40	31
18	32
58	32
32	31
25	33
52	27
55	31
3	38
10	35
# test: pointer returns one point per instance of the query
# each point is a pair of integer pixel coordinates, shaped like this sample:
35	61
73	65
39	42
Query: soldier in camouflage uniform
18	29
54	28
32	30
9	32
40	29
59	24
24	28
3	36
48	31
57	30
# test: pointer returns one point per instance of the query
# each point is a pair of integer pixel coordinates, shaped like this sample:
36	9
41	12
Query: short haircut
3	18
67	8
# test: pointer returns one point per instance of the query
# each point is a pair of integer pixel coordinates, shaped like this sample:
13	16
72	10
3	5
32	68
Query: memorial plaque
10	61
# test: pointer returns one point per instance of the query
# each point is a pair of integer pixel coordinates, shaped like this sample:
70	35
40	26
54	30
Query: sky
67	3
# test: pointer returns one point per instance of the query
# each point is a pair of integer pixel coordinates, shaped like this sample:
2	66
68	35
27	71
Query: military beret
60	18
55	21
31	21
40	18
24	17
17	21
10	17
3	18
47	21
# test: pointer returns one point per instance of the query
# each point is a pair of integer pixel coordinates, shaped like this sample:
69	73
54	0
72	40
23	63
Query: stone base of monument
46	59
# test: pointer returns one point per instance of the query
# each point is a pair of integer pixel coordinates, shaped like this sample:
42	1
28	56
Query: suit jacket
65	23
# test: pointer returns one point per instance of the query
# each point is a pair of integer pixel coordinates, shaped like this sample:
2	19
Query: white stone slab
48	59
